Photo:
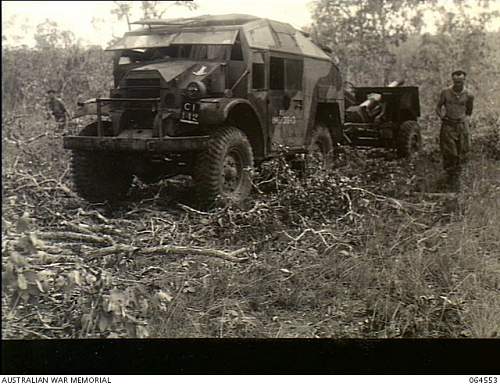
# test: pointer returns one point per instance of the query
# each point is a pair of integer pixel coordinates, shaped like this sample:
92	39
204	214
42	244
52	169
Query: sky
93	23
78	16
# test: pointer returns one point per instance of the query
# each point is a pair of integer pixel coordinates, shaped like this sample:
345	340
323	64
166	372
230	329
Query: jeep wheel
409	139
321	147
223	170
99	177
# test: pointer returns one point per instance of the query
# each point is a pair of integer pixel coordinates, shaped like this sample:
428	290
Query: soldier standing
454	136
57	109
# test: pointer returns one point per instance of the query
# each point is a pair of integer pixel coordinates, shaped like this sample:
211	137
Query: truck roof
260	33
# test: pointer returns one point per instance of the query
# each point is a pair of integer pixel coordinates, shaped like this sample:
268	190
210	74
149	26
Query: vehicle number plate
190	113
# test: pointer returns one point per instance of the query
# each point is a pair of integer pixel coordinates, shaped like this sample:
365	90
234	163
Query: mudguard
217	111
214	111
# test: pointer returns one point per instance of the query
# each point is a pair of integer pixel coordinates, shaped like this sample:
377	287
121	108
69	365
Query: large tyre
223	171
321	147
99	177
409	139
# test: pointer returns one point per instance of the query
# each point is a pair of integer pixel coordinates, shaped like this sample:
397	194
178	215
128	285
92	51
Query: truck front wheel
223	170
99	177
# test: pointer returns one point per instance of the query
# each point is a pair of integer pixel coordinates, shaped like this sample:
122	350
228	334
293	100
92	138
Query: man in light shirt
454	137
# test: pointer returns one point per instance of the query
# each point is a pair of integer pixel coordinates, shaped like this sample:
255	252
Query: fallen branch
396	203
447	195
93	229
166	249
192	210
73	236
63	188
22	141
152	268
93	213
78	228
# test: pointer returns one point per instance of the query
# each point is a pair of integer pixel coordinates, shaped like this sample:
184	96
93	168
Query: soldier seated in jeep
209	97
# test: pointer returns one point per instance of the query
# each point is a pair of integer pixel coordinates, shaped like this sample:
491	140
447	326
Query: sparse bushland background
366	249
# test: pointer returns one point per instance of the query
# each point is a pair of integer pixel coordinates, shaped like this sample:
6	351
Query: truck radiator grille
143	88
145	82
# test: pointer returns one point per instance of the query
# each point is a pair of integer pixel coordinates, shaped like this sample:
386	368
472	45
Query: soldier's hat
51	90
458	73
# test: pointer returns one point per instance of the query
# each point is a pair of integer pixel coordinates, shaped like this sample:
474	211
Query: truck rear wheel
409	139
223	170
99	177
321	147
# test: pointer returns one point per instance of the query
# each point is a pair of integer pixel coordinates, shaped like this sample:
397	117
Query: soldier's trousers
454	143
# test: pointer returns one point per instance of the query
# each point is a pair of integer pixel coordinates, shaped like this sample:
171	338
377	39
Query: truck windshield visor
129	42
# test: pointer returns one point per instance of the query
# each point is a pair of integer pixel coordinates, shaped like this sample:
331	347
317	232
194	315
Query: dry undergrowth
366	250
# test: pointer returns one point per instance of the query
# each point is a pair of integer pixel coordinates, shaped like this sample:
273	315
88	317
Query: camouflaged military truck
214	96
209	97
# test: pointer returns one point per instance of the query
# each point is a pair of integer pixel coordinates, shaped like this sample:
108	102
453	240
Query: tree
58	61
122	11
49	36
156	9
461	41
149	9
16	29
362	34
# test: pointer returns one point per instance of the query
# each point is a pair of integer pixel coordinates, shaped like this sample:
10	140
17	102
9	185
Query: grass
356	252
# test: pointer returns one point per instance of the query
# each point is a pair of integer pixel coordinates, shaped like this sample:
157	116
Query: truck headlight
196	89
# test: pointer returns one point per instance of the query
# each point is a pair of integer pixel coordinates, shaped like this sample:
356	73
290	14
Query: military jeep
209	97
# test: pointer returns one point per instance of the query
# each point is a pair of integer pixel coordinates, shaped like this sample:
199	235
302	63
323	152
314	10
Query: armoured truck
211	97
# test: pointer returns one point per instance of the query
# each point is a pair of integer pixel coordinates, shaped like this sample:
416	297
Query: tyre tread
406	131
209	163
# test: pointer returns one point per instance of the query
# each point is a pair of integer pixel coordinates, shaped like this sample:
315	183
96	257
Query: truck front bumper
152	145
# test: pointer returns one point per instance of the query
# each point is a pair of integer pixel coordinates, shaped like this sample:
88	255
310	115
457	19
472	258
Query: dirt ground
375	247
